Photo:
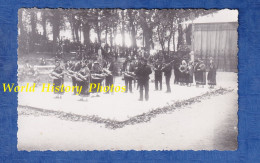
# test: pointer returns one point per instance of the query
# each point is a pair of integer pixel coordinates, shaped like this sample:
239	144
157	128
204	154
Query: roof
221	16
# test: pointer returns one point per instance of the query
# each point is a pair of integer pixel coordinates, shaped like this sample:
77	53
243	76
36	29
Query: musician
200	76
83	77
75	69
109	70
167	69
158	74
58	79
176	70
128	70
143	73
191	71
183	72
96	71
212	74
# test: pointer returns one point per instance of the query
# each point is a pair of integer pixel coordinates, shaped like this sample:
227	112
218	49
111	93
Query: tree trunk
33	32
123	28
106	34
44	21
86	33
132	28
111	38
55	29
72	22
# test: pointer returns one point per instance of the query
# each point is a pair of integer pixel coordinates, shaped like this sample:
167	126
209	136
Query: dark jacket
143	73
158	69
131	68
167	70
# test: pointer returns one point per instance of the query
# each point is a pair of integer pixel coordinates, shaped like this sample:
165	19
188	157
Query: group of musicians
84	72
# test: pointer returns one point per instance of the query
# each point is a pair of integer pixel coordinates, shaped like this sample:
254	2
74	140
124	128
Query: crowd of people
95	64
136	70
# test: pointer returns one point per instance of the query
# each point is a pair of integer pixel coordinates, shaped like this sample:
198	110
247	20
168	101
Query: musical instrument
55	75
80	77
129	74
183	68
107	72
70	73
98	76
166	65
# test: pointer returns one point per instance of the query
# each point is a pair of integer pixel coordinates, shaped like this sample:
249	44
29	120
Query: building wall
216	40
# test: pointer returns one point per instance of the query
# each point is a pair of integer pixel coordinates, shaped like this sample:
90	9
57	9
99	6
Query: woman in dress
190	70
212	74
200	73
183	70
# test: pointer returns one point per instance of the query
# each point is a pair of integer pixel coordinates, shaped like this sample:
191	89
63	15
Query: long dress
190	68
196	74
212	75
202	74
183	73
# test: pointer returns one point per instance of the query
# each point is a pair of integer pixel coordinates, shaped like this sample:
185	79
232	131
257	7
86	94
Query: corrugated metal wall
217	40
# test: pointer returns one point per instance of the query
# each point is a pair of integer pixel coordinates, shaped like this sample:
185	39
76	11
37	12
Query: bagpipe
165	66
129	74
201	67
98	76
55	75
183	68
107	72
80	77
70	73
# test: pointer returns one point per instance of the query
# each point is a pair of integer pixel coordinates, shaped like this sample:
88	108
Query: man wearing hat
142	74
128	70
167	69
75	69
109	70
158	74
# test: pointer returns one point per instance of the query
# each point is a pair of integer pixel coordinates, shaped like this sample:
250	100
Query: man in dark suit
142	74
158	74
109	68
75	68
167	69
128	70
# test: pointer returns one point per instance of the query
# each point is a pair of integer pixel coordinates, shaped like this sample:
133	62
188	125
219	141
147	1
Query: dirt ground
208	125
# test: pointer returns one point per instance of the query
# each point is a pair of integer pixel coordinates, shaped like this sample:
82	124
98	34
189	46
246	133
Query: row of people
186	72
85	72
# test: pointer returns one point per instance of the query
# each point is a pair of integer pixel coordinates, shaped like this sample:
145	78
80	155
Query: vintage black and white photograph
132	79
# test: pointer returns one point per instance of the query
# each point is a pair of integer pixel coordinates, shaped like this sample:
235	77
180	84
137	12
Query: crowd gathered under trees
150	27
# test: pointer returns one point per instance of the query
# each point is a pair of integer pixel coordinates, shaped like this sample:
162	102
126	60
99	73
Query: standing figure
58	81
109	70
75	69
158	74
143	73
83	77
212	74
200	73
128	71
167	69
190	70
96	78
183	70
176	70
